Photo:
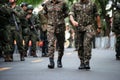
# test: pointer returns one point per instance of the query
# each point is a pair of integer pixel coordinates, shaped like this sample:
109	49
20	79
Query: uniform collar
84	2
57	1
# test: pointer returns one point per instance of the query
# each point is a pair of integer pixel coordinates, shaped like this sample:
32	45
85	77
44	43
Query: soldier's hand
31	27
28	16
13	11
98	30
75	23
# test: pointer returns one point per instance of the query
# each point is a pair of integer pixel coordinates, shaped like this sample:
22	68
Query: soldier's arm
37	22
5	10
71	16
42	17
65	9
116	22
45	11
98	20
19	12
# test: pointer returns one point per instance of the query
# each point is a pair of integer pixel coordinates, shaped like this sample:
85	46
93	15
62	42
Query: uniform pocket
90	31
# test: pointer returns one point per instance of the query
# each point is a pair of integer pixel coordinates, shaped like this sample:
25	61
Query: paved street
104	66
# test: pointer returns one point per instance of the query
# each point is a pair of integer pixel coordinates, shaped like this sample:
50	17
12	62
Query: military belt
85	24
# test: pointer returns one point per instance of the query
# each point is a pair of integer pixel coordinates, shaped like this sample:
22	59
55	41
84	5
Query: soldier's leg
7	43
76	40
19	40
117	48
33	47
1	42
44	47
51	48
1	55
60	40
26	39
81	50
87	49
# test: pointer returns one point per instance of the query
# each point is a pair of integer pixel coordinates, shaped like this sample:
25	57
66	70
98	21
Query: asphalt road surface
103	64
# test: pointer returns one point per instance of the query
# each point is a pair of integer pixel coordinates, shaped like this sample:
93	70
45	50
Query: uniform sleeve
42	17
45	9
65	9
116	22
95	11
19	12
37	22
72	10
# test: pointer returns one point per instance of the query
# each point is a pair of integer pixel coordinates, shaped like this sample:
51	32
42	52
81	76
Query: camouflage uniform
43	32
76	39
16	33
4	31
116	30
84	14
25	27
56	12
34	25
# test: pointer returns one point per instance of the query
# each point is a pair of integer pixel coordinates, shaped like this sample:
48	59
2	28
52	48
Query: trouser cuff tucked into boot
59	62
52	64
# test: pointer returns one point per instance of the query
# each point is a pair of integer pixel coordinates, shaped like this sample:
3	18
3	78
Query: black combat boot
22	56
8	58
87	66
82	65
117	57
59	63
52	64
33	53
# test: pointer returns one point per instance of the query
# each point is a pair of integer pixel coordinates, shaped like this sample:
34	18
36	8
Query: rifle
32	24
40	42
15	21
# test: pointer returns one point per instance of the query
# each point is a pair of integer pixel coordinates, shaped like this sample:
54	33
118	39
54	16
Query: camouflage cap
30	7
24	4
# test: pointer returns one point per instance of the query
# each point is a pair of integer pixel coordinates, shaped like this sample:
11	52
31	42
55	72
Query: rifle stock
15	21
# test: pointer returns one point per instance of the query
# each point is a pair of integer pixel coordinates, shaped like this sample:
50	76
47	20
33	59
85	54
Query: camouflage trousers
26	37
76	38
33	37
5	40
85	43
16	35
117	46
53	35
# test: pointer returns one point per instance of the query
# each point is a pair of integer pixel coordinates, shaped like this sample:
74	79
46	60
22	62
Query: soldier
34	25
82	17
56	11
43	30
15	28
25	27
24	6
4	31
116	29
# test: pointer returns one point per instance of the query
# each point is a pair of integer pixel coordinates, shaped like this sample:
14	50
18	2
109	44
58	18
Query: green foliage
33	2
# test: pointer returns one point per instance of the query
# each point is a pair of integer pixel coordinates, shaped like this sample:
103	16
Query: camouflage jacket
4	15
116	22
56	12
34	21
84	13
42	17
19	13
43	20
